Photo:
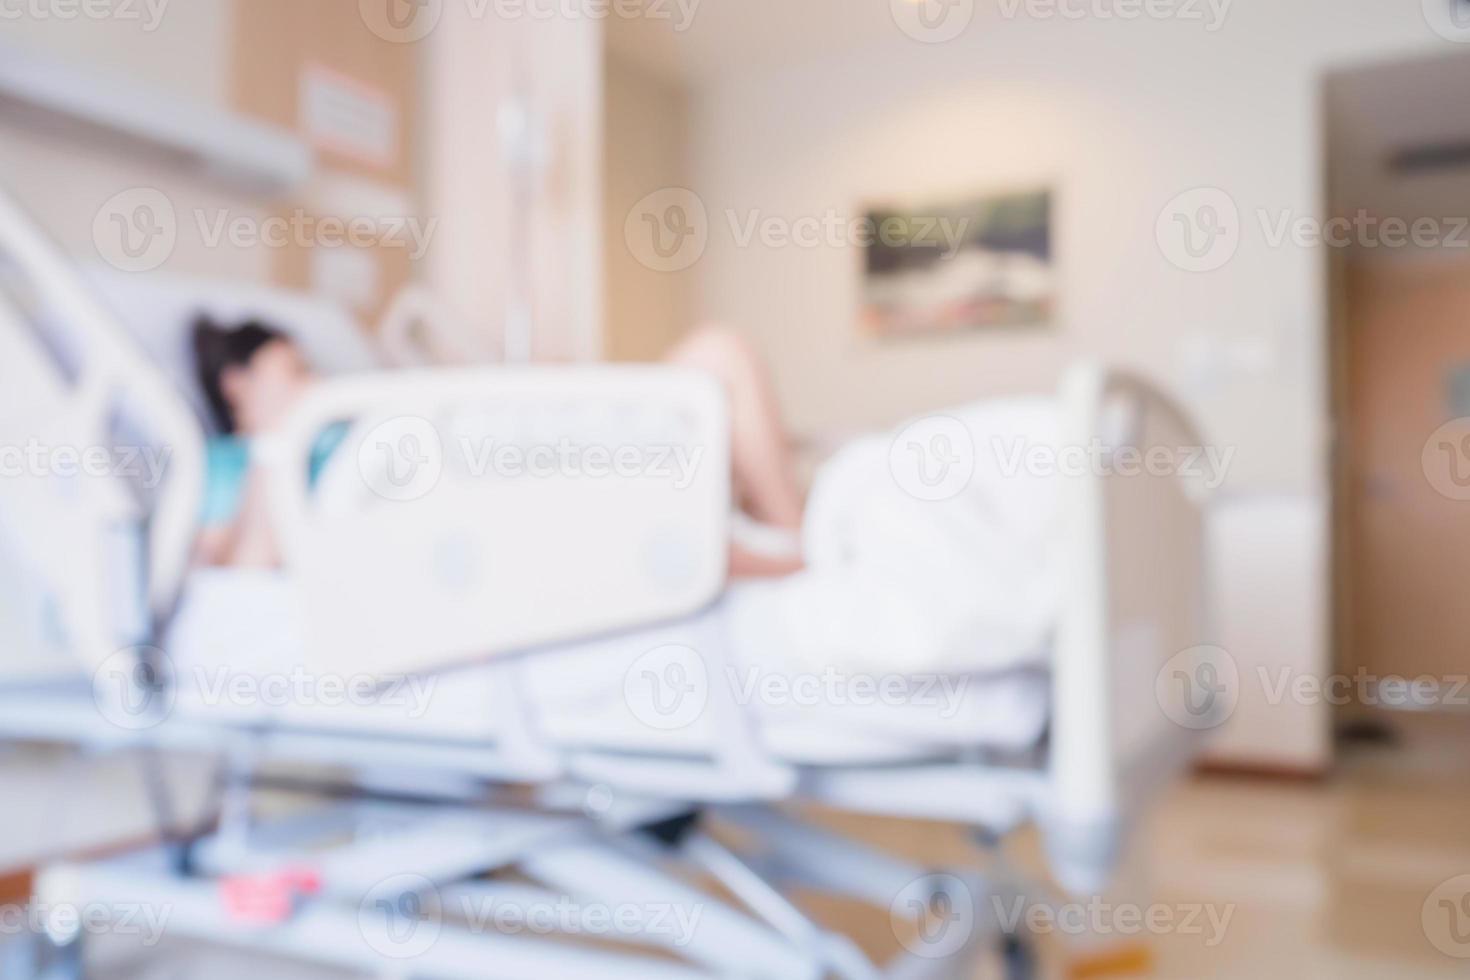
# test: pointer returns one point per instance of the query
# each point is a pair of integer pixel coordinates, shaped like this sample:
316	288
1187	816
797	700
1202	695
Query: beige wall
184	47
646	148
276	48
470	64
64	180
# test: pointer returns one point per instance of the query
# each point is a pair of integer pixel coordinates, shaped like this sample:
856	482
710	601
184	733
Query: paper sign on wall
345	115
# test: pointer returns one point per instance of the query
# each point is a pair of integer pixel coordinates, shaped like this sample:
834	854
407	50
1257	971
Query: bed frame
601	828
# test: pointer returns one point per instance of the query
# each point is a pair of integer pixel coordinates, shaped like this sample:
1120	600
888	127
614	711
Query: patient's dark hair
217	349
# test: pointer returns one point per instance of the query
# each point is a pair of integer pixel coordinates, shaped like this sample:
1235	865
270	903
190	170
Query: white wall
1117	116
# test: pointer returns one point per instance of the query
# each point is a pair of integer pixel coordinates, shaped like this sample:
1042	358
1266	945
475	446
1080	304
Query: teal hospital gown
227	462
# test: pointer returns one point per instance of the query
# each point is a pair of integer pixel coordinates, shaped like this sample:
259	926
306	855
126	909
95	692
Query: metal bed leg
227	811
359	938
723	938
1017	949
71	963
1018	959
836	952
165	812
234	792
796	852
49	960
21	958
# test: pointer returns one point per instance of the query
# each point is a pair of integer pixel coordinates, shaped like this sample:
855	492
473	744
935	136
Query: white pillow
159	311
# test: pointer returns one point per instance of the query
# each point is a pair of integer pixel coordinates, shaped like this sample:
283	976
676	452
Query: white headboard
71	380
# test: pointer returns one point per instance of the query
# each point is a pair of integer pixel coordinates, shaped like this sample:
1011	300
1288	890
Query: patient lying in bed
253	375
880	574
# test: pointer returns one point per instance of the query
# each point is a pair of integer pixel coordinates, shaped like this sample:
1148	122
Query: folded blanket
897	582
237	656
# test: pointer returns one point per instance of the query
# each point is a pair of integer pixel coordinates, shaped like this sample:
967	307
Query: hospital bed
611	581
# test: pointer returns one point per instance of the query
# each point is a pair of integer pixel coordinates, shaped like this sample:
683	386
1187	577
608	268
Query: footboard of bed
1135	609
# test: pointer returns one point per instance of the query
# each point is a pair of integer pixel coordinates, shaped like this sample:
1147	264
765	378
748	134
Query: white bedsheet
662	689
917	622
236	659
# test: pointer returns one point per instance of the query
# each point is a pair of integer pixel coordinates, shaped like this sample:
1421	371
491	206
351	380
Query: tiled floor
1324	880
1319	880
1328	880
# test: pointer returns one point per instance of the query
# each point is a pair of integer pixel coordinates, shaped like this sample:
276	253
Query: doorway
1399	193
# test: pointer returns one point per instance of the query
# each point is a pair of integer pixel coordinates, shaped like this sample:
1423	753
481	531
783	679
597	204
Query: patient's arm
246	542
254	542
213	545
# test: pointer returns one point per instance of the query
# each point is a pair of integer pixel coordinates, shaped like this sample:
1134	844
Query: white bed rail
1135	599
481	511
42	292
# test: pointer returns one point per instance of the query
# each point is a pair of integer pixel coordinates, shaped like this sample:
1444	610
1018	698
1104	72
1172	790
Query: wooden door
1408	468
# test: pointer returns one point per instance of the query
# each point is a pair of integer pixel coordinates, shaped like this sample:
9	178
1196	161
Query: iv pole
522	147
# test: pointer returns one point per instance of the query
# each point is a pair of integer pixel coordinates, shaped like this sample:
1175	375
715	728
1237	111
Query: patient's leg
765	479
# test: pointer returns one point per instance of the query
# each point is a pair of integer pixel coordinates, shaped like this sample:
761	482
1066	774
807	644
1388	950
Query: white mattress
659	690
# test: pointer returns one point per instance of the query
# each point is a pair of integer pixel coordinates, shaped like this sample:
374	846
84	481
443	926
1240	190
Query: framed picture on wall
973	264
